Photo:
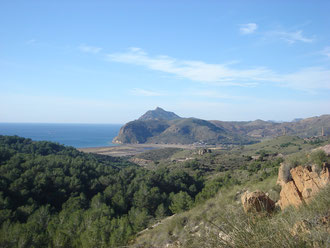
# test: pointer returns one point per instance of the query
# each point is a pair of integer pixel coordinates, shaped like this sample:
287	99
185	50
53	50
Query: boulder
257	201
305	183
203	151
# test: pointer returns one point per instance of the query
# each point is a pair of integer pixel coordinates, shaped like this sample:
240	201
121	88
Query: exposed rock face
257	201
138	132
290	196
304	185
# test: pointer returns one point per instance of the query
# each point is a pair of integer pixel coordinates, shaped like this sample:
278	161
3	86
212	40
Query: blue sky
110	61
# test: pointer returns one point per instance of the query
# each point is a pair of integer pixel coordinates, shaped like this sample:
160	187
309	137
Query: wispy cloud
326	51
291	37
248	28
89	49
142	92
220	74
307	79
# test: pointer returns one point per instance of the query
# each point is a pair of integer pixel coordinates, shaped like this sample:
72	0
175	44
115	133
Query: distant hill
162	127
259	129
158	114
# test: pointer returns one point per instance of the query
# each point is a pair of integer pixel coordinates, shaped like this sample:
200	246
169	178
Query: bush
318	157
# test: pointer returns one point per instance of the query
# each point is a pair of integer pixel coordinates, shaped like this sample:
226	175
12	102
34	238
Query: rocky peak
158	114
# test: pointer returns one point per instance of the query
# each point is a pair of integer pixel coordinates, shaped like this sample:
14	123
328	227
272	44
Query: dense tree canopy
52	195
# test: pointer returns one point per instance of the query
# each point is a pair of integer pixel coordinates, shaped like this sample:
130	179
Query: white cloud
200	71
89	49
142	92
308	79
291	37
326	51
248	28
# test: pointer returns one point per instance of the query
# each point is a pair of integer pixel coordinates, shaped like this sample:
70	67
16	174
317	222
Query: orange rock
257	201
304	185
290	196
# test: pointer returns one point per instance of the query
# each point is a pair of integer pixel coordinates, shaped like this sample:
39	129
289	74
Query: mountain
158	114
162	127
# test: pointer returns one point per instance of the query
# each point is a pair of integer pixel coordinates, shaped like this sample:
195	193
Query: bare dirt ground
130	149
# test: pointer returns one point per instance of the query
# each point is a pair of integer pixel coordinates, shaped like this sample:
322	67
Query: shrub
180	202
318	157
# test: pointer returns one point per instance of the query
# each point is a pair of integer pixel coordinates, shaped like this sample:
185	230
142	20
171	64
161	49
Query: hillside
221	221
161	127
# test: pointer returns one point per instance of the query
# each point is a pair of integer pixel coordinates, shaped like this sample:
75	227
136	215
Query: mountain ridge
162	127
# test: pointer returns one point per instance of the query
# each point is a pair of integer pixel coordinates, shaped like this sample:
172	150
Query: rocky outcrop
257	201
290	196
204	151
304	184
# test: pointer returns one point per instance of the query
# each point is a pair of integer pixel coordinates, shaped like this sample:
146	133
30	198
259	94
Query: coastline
131	149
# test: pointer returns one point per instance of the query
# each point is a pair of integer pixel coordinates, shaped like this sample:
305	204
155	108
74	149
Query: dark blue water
76	135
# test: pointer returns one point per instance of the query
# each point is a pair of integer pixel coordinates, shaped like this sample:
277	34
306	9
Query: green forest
56	196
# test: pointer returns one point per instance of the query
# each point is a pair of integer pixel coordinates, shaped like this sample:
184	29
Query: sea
76	135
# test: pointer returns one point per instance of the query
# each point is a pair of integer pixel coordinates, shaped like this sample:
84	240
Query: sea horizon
78	135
